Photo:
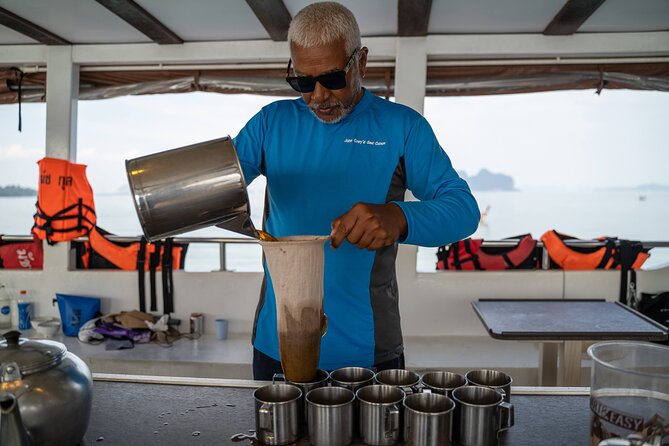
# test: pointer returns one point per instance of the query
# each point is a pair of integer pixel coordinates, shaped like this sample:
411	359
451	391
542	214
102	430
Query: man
338	161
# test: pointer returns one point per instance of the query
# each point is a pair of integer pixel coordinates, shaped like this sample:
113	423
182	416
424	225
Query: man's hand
369	226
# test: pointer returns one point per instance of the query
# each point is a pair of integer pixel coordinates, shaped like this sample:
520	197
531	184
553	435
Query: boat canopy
453	47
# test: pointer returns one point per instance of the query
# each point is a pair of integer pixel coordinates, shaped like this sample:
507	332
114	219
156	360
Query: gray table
126	413
568	321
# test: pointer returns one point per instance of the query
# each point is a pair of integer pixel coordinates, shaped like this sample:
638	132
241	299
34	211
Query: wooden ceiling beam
28	28
413	17
142	20
572	15
274	16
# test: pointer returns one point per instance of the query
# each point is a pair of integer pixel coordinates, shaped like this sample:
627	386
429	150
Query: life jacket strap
141	259
154	261
167	278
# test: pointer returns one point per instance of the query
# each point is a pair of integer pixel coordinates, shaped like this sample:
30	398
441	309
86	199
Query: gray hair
324	23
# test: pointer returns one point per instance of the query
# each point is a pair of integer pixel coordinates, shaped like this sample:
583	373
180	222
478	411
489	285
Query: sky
560	140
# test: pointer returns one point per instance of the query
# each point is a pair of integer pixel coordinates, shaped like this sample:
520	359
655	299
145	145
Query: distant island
17	191
486	180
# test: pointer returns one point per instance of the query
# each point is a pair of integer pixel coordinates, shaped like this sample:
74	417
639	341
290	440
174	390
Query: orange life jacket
124	256
586	258
162	255
65	207
469	254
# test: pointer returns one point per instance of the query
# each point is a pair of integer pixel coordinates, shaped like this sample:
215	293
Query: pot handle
10	372
265	417
392	420
507	418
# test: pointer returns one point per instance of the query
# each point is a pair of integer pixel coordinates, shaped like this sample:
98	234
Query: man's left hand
369	226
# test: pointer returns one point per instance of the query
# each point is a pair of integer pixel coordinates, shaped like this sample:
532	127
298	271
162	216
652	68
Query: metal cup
427	419
404	379
189	188
442	382
380	414
330	416
352	378
481	414
321	379
491	378
278	415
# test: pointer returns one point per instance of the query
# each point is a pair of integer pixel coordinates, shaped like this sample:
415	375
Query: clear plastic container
5	308
629	392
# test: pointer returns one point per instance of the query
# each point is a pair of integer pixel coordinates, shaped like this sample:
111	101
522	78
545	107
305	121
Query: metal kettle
46	393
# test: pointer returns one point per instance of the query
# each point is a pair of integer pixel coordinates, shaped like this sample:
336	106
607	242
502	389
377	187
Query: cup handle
278	377
507	418
409	390
392	420
265	417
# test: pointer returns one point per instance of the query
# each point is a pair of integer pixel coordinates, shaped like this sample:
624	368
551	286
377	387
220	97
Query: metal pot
46	393
190	188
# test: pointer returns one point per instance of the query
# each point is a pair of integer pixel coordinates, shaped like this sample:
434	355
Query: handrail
486	243
223	241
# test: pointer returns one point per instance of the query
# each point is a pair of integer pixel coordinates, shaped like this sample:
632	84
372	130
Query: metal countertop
209	412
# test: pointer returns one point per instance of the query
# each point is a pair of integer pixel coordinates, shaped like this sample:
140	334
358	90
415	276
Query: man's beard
334	103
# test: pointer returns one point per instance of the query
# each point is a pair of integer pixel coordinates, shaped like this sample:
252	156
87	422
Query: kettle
46	393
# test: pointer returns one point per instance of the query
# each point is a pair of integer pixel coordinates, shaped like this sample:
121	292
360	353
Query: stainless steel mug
380	419
404	379
352	378
321	379
278	415
330	416
189	188
427	419
442	382
491	378
481	414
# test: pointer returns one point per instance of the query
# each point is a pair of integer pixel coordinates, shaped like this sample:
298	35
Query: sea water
636	215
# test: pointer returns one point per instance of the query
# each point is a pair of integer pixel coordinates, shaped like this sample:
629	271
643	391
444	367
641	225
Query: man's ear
362	61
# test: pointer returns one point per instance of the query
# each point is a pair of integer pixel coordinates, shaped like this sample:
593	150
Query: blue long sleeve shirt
315	173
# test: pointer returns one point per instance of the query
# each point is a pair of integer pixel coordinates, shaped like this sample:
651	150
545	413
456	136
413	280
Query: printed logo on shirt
365	142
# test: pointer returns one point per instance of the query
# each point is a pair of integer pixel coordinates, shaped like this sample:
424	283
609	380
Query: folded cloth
130	319
116	331
87	332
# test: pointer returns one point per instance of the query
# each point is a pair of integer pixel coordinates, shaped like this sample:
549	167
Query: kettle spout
12	430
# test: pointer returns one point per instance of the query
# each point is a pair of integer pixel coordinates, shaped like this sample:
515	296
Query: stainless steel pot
190	188
46	393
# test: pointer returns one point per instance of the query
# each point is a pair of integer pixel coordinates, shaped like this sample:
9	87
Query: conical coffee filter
296	268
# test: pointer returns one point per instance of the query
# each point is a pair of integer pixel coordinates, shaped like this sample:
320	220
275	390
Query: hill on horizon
17	191
486	180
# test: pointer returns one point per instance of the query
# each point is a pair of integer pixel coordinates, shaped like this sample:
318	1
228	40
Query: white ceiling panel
207	20
629	16
375	17
492	16
78	21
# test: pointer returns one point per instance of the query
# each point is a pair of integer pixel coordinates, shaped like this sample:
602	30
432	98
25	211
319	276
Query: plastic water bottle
5	309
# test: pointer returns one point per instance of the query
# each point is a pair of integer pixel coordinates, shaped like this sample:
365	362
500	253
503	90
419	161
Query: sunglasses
335	80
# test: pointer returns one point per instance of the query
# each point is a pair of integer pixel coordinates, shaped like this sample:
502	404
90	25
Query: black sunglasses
335	80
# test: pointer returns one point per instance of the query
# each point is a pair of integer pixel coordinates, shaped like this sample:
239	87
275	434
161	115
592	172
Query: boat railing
224	241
